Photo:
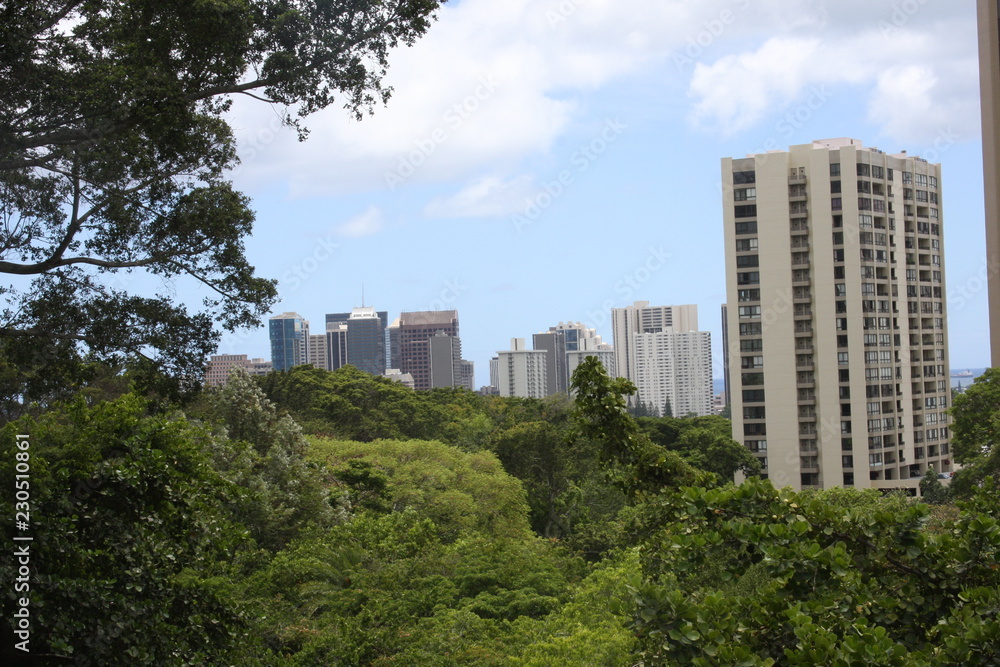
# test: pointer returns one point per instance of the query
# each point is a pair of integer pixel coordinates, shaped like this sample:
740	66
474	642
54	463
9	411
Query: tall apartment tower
521	372
989	86
660	349
318	351
553	343
413	338
836	314
289	334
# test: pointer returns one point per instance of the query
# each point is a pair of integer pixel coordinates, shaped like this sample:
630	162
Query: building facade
520	371
661	351
413	338
553	343
837	342
289	334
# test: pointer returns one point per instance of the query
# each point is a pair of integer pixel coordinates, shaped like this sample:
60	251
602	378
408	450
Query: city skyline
569	186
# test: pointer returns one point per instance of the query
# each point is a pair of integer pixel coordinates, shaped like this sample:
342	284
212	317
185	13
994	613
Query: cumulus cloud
489	196
366	224
495	83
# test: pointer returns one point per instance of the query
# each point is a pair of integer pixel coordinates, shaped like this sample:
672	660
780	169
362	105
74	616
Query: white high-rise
660	349
520	371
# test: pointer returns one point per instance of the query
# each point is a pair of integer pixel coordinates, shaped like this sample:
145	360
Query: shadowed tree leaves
113	150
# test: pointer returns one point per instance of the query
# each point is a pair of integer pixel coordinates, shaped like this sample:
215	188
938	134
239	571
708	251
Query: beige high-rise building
836	327
989	84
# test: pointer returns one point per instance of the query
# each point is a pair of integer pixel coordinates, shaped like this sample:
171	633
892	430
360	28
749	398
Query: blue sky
545	160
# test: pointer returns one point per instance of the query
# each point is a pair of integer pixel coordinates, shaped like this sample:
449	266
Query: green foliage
456	490
637	465
132	549
264	454
842	578
975	433
932	490
705	442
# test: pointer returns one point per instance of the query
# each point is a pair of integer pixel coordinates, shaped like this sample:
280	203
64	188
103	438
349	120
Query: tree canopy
114	145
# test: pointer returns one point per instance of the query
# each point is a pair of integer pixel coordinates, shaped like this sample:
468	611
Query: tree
113	149
133	550
976	432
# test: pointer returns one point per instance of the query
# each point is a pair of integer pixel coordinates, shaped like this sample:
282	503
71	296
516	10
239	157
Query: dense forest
339	518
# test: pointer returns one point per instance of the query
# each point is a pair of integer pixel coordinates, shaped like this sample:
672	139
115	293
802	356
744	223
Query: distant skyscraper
413	335
366	340
660	349
318	351
445	359
836	319
221	365
360	341
554	345
520	371
289	333
336	344
468	375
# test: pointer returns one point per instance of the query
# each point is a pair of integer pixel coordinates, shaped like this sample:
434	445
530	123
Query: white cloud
366	224
489	196
493	83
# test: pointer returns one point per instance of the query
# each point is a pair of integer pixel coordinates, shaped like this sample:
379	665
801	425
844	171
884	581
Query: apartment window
836	203
749	312
753	395
752	362
810	479
746	245
755	412
740	177
747	261
752	379
907	178
865	221
842	358
757	445
864	169
751	345
838	221
847	461
835	187
838	238
877	172
841	324
844	375
751	329
745	194
746	227
755	429
748	295
845	426
838	273
746	211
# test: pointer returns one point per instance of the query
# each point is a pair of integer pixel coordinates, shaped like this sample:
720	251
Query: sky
543	161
